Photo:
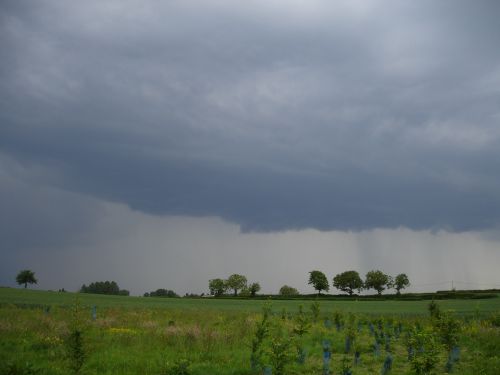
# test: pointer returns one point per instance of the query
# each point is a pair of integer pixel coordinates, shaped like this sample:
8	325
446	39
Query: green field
34	297
136	335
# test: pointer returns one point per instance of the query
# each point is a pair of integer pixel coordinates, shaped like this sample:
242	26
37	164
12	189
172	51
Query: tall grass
166	340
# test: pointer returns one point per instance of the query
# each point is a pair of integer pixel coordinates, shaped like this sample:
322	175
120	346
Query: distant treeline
162	293
104	287
478	294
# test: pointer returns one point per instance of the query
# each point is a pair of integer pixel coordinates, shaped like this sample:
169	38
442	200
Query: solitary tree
319	281
400	282
26	277
253	289
286	290
377	280
217	287
236	282
348	281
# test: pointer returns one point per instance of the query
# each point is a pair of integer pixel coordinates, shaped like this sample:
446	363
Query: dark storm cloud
274	115
37	217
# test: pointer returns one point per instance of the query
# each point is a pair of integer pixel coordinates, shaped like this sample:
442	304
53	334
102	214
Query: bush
425	351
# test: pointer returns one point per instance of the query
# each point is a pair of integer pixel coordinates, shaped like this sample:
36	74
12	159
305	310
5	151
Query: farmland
135	335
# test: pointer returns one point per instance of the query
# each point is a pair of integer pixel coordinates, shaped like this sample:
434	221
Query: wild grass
197	338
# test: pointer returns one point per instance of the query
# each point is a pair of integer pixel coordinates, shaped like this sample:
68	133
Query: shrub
280	353
425	354
19	368
180	367
261	333
315	309
76	353
448	329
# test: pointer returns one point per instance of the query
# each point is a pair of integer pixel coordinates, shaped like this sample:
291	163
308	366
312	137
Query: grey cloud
273	117
40	217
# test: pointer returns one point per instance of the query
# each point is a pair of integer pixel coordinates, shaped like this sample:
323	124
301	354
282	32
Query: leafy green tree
377	280
26	277
286	290
236	282
253	289
217	287
348	281
319	281
401	281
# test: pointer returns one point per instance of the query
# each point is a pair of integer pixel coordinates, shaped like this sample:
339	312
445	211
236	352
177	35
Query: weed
337	319
302	324
284	314
315	310
350	333
74	342
280	353
19	368
387	366
448	329
261	333
425	358
180	367
495	319
346	366
76	353
434	310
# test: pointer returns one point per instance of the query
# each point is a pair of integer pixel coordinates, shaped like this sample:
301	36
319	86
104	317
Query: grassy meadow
60	333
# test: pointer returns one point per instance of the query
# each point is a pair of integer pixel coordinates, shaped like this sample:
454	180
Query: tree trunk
25	285
235	292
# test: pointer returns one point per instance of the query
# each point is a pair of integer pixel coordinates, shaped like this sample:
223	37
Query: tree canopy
319	281
377	280
286	290
217	287
348	281
236	282
26	277
401	281
253	289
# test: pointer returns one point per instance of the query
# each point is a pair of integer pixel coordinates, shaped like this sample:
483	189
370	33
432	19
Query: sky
163	144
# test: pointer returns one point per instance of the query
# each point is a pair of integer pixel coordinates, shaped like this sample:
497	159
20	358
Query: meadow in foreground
279	339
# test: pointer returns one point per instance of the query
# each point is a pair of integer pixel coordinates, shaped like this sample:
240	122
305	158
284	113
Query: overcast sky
164	143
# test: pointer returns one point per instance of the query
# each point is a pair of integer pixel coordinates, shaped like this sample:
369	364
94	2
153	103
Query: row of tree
162	293
104	287
350	281
234	283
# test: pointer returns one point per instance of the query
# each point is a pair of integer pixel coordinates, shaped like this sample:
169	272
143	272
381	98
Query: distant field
35	297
